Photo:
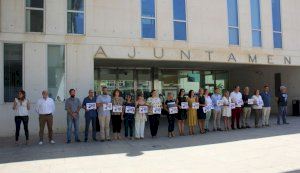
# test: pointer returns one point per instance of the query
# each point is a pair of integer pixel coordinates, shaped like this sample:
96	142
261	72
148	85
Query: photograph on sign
220	103
91	106
173	110
117	108
143	109
184	105
107	106
195	105
129	109
156	110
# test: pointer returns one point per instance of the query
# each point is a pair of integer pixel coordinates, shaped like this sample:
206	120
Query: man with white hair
282	105
45	107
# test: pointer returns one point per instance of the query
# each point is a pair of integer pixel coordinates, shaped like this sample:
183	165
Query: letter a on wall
100	53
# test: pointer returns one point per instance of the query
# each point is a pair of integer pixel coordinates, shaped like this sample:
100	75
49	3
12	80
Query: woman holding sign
140	117
182	112
172	110
257	106
128	111
201	115
226	110
117	113
192	112
155	105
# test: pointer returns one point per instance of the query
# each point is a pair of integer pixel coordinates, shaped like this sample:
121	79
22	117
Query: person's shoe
68	142
263	126
268	125
286	123
278	123
41	143
248	127
52	142
233	128
94	139
17	143
78	140
238	127
102	140
108	139
85	140
256	126
219	129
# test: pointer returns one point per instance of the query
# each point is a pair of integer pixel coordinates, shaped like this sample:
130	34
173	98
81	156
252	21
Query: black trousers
18	121
154	123
116	123
129	124
171	121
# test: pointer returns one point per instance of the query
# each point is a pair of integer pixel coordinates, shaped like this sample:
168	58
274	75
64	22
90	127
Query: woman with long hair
117	116
182	112
21	108
192	113
201	115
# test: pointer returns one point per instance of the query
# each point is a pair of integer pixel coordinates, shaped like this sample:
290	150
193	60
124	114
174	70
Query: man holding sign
236	97
104	114
90	107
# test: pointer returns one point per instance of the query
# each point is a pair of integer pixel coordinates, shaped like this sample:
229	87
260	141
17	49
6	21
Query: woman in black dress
182	112
200	113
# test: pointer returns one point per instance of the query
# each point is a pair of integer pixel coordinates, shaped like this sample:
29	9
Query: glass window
179	19
148	18
13	70
233	24
179	30
233	36
56	72
256	23
148	28
179	10
34	15
277	40
75	17
144	82
35	3
276	17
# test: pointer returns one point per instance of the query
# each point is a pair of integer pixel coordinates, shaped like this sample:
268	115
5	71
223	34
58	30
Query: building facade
140	45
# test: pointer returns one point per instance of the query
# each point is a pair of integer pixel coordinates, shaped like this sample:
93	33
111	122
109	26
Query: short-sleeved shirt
103	99
236	96
118	102
129	116
73	104
282	101
266	96
91	113
245	100
153	102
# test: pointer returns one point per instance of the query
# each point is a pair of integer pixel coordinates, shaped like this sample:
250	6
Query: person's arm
84	105
15	105
79	107
177	101
37	106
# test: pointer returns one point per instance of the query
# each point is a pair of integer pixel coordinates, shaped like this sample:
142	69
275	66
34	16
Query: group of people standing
196	109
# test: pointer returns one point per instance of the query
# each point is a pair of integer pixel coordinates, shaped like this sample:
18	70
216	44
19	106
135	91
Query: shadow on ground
10	153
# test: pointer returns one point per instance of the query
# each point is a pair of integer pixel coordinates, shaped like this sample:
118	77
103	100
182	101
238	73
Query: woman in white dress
226	110
257	106
140	118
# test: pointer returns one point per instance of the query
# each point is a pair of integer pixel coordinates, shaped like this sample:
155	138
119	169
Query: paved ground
273	149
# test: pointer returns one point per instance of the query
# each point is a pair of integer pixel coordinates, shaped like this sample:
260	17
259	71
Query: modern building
140	45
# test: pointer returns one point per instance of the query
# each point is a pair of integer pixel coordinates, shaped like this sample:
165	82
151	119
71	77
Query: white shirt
21	107
236	97
45	106
208	101
258	102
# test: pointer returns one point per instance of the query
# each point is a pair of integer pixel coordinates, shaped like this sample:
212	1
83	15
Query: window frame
233	27
23	65
277	32
180	21
37	9
65	66
257	30
76	11
151	18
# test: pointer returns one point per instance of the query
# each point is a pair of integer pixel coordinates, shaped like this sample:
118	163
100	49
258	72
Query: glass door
125	81
144	82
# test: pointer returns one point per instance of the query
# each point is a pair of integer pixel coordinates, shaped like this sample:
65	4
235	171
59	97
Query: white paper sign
129	109
206	109
211	107
91	106
117	108
232	105
239	103
195	105
220	103
250	101
143	109
107	106
156	110
173	110
184	105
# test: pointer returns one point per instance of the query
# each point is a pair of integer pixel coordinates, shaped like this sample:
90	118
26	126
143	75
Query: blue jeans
70	122
88	120
282	112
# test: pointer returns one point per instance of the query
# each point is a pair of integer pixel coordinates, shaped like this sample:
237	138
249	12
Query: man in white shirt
236	97
45	107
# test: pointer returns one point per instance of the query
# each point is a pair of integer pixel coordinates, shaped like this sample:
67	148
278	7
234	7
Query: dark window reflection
12	71
75	23
34	20
35	3
76	5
